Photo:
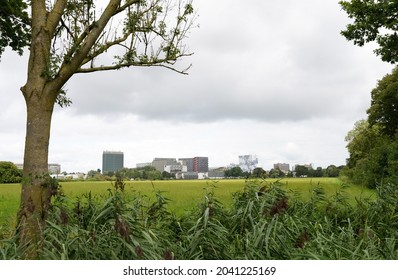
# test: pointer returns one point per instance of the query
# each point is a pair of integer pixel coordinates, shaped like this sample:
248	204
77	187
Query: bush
9	173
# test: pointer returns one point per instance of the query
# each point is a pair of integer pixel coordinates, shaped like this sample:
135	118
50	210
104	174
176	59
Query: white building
248	162
53	168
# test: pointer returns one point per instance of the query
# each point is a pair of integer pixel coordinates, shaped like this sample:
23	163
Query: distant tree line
9	173
139	173
300	171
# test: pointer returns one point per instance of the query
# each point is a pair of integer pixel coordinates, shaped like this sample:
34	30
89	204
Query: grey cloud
260	61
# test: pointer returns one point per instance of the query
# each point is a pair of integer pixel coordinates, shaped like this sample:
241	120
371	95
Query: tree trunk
36	185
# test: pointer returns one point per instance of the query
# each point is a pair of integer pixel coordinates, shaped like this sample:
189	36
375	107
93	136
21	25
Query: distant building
53	168
188	162
112	161
284	167
70	176
185	168
248	162
217	173
201	164
190	175
161	163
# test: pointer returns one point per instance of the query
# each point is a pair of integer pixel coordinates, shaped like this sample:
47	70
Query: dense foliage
299	171
14	25
139	173
9	173
373	143
383	111
374	21
264	222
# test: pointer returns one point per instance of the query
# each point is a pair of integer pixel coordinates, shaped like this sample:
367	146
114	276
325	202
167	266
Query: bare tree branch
127	5
120	66
55	15
152	35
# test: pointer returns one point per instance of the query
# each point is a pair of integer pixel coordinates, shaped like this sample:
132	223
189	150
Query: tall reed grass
264	222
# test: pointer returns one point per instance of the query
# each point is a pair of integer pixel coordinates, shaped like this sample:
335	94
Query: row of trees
300	171
373	143
150	173
139	173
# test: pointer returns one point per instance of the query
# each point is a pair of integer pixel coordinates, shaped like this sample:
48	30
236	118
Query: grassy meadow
183	195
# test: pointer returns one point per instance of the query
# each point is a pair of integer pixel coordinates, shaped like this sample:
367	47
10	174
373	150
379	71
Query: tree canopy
374	21
373	143
383	110
14	25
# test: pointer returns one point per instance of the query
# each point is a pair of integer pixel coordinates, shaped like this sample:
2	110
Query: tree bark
36	186
40	99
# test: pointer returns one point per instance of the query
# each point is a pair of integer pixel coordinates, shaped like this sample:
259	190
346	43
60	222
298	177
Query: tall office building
112	161
201	164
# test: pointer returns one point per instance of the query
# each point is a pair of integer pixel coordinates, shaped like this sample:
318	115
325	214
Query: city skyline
238	162
159	163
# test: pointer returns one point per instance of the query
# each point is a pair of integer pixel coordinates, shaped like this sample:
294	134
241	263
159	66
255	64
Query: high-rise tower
112	161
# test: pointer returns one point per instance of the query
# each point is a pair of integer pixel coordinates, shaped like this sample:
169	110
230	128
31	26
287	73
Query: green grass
184	195
10	195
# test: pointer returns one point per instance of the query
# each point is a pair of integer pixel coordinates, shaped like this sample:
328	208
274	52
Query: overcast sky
270	78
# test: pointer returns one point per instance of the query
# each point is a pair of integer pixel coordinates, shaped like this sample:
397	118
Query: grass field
183	194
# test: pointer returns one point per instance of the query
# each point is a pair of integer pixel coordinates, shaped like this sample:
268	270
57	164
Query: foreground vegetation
264	221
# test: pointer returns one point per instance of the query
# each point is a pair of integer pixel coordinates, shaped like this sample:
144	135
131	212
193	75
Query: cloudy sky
270	78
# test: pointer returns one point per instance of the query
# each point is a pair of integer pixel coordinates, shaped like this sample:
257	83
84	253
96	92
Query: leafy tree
373	157
332	171
276	173
9	173
318	172
69	37
166	175
154	175
301	171
373	143
374	21
360	140
259	172
110	173
383	110
14	25
380	165
95	175
234	172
